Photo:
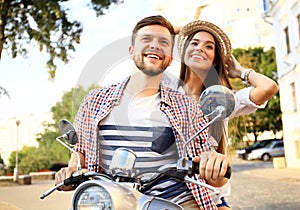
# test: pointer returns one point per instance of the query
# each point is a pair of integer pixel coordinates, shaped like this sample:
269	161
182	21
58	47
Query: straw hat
211	28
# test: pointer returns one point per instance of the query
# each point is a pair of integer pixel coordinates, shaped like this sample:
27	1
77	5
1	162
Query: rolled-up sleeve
243	104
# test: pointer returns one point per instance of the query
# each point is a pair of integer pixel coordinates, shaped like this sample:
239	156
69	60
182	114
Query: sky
27	80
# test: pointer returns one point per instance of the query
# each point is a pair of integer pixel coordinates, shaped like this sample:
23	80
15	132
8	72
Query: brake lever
214	189
183	175
45	194
72	180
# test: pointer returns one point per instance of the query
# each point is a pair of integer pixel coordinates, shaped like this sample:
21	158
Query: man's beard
140	64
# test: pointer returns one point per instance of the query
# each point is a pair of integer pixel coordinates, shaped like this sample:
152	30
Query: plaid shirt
184	114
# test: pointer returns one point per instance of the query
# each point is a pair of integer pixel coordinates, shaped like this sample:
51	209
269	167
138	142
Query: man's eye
164	42
145	38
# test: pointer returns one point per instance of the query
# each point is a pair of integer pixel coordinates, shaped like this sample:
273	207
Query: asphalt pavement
258	185
255	185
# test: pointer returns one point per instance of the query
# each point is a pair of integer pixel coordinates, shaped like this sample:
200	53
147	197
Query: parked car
270	150
243	153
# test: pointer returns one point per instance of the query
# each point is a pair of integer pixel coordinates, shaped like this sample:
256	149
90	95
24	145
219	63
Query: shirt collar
117	95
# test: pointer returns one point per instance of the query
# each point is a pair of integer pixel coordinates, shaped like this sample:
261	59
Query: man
152	120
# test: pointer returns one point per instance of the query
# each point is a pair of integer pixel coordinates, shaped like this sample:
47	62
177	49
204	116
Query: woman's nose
200	48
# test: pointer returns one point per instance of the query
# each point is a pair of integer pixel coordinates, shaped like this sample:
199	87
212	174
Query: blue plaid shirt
184	114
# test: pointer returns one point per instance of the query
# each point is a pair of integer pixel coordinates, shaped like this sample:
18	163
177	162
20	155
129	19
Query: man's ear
170	61
131	51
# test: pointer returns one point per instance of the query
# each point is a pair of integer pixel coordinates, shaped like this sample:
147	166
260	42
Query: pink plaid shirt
184	115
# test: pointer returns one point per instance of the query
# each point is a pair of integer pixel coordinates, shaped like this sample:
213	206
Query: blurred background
52	53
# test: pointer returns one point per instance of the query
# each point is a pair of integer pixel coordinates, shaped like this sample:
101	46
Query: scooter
123	187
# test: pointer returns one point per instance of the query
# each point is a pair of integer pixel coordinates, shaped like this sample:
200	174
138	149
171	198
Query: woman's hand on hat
177	29
234	67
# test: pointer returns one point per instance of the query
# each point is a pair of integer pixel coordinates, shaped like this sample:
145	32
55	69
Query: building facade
284	15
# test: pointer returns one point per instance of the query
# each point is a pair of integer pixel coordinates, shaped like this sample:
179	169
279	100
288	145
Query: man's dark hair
153	20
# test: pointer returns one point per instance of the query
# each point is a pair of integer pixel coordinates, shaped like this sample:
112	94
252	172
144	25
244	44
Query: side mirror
217	97
68	132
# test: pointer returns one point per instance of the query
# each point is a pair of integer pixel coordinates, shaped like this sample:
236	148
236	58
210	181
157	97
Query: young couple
144	115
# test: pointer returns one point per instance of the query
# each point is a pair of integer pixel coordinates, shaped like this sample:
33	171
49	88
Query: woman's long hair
217	75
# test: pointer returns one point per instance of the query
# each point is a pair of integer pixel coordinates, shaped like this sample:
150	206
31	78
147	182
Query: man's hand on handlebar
63	174
213	167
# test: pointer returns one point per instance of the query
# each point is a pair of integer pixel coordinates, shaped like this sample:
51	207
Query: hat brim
211	28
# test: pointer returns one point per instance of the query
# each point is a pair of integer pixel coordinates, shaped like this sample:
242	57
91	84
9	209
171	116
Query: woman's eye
209	47
194	43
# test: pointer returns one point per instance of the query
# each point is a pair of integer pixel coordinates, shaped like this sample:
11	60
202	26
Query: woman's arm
264	87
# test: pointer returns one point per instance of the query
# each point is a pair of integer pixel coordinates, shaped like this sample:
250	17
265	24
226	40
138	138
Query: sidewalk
284	174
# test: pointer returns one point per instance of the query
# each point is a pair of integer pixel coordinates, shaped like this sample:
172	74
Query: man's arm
66	172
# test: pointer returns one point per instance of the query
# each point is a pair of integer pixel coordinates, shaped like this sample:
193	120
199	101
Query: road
258	191
27	197
249	191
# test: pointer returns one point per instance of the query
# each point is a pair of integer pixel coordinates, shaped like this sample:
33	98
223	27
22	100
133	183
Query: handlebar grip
228	173
195	170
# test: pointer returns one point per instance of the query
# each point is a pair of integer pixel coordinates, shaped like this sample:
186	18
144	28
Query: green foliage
46	22
34	161
43	21
101	5
269	118
21	154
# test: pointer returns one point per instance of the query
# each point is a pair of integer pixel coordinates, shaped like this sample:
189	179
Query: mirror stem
69	148
183	161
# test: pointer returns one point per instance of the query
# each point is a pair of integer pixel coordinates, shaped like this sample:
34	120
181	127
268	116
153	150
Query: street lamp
16	169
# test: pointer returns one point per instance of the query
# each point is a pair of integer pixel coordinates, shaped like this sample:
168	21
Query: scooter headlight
92	197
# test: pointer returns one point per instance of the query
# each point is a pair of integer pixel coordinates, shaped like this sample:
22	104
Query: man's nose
154	44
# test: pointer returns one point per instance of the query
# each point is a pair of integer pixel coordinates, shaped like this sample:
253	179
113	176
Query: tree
46	22
21	154
269	118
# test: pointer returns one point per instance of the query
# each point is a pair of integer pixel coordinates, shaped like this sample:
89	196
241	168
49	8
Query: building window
294	98
287	40
297	149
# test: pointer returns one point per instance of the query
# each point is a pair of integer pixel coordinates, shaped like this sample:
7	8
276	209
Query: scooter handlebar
45	194
195	170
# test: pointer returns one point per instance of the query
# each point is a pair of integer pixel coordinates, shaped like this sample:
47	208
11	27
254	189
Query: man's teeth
152	56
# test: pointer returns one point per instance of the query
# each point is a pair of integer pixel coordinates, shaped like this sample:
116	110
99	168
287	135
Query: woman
206	60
